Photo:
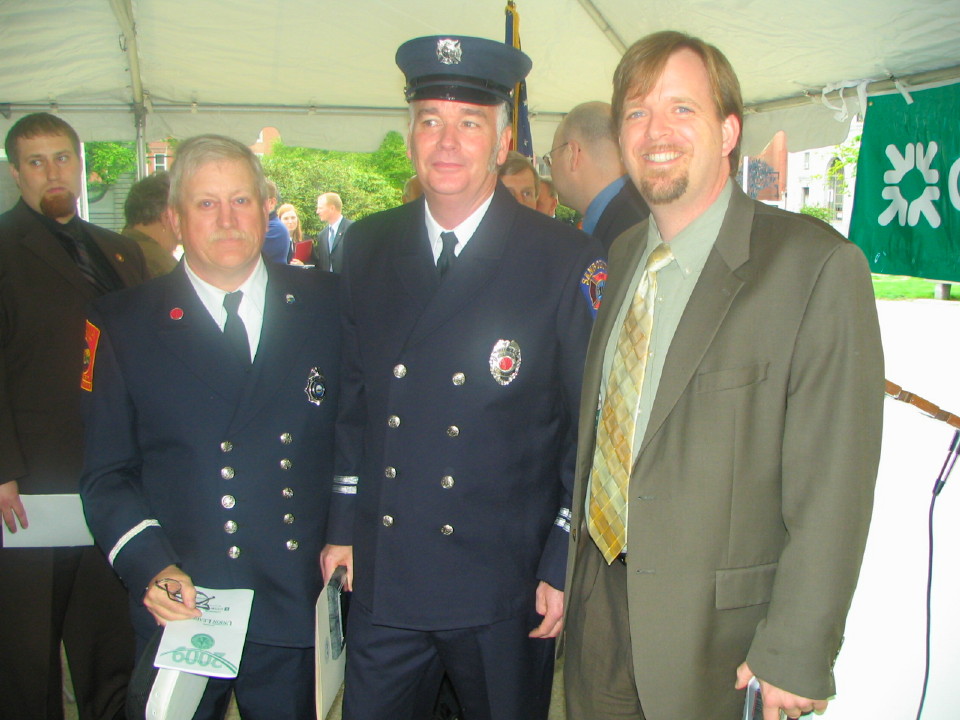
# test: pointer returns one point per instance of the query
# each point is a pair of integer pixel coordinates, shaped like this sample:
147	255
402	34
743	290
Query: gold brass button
400	370
286	438
393	421
292	544
459	378
285	464
288	519
447	529
288	493
230	527
387	520
226	446
234	552
228	501
446	482
227	473
389	472
453	431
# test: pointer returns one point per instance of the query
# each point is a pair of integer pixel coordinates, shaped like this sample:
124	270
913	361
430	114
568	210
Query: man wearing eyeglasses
210	397
590	177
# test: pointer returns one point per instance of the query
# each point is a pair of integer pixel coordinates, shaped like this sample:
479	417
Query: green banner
906	210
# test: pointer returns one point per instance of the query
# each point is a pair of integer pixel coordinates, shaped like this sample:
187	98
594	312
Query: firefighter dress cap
462	69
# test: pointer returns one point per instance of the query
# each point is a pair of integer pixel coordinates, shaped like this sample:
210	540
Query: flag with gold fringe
522	140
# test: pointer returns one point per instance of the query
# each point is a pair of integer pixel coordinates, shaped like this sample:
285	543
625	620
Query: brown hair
35	124
297	234
643	63
517	163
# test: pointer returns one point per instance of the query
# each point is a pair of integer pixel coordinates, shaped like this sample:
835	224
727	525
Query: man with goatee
51	265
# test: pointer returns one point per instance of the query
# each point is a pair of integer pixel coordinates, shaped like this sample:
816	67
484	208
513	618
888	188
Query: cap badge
505	361
449	51
316	388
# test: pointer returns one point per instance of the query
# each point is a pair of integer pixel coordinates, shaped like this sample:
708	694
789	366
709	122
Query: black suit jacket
43	306
325	259
455	454
625	209
182	441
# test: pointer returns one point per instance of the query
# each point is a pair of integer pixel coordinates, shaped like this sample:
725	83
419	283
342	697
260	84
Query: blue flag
522	140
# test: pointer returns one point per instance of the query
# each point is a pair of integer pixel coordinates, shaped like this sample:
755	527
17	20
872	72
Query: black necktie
445	261
233	329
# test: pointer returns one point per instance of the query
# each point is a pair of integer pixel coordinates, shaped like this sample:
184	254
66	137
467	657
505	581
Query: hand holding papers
55	521
211	644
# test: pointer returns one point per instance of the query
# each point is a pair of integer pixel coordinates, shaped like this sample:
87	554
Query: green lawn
897	287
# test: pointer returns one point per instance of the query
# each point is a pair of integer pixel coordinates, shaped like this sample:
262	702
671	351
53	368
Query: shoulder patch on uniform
592	282
89	356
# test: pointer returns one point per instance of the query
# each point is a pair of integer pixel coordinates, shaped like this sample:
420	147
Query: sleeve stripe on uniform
563	519
130	535
345	484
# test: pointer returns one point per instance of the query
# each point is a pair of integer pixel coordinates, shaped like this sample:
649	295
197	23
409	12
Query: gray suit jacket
751	495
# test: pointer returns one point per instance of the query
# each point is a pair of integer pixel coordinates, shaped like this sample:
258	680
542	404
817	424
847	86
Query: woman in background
289	217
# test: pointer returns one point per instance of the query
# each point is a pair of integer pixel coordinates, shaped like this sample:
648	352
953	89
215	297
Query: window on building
159	162
835	188
806	161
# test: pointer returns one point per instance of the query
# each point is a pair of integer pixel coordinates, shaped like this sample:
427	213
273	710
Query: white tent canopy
323	72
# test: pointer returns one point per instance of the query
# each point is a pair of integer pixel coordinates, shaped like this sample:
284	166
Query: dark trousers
497	671
598	674
274	683
69	594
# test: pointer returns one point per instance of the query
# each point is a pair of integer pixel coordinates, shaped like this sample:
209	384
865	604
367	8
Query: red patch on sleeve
89	356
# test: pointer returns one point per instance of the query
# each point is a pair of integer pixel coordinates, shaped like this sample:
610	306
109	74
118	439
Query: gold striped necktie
614	454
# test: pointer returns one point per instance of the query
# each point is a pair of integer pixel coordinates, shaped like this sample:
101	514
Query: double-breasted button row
228	501
400	372
233	551
387	521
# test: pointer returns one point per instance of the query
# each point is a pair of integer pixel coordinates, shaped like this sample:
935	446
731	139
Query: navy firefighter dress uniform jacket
456	439
195	461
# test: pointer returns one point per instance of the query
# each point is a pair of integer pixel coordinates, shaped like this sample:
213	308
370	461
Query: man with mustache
724	492
52	264
210	403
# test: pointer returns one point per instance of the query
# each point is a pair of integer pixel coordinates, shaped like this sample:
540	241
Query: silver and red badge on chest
505	361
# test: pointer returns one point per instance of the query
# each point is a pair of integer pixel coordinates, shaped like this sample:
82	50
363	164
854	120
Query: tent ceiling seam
601	22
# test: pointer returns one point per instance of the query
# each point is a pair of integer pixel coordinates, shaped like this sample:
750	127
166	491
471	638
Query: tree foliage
821	213
107	161
366	182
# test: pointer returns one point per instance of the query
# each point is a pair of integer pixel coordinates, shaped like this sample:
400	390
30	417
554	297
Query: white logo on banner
908	213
